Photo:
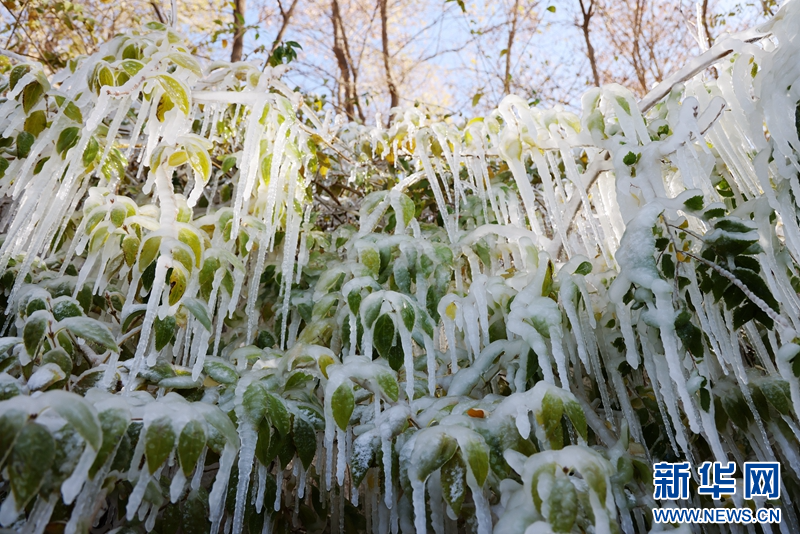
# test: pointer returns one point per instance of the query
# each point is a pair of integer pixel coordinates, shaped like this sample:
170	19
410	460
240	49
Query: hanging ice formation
565	297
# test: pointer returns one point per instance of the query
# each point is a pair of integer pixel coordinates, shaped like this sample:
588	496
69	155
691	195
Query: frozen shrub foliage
226	310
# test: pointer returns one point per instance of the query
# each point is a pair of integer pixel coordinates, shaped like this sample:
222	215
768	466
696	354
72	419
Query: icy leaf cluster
226	310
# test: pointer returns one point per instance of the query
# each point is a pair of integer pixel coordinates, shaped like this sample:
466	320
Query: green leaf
200	162
191	443
624	105
563	504
67	139
454	482
384	335
630	158
165	331
695	203
31	458
176	91
131	66
776	396
551	9
690	335
371	260
477	455
388	384
90	330
200	310
59	357
254	402
221	370
576	416
476	98
408	209
305	440
552	411
363	457
278	415
408	316
187	62
78	413
65	308
36	122
113	423
33	332
159	440
354	300
90	152
31	95
24	144
11	422
228	163
435	453
342	404
177	284
584	268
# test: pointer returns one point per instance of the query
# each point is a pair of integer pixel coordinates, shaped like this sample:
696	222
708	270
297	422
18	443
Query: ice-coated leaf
11	422
221	370
305	440
584	268
159	440
563	505
191	443
113	422
176	90
408	316
200	162
552	410
254	402
90	330
408	208
342	404
79	413
454	482
278	414
30	459
33	332
371	260
477	456
576	416
90	152
200	311
66	308
45	376
384	335
388	384
187	62
67	139
192	240
177	284
164	330
150	249
431	454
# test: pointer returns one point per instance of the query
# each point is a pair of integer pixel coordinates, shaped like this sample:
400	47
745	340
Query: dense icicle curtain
228	311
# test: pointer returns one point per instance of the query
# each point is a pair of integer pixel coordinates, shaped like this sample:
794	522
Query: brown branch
511	35
585	27
394	96
286	17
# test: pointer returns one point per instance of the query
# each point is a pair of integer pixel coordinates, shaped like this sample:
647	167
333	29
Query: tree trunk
394	96
239	8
